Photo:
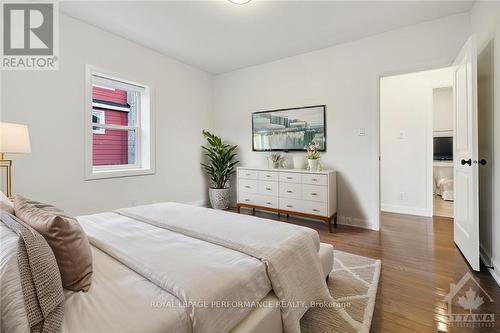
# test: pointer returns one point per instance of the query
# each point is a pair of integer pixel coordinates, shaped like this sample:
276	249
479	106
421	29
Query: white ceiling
218	36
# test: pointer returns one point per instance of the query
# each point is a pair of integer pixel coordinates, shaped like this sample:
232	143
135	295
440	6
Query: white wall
442	111
485	23
52	104
406	139
346	79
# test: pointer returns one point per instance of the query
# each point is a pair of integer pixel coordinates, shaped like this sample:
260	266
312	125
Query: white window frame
102	118
145	133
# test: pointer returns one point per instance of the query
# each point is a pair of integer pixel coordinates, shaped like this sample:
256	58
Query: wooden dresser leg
238	208
329	222
335	219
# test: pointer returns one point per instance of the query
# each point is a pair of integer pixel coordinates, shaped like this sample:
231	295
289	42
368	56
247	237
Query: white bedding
190	269
13	313
141	270
120	300
289	252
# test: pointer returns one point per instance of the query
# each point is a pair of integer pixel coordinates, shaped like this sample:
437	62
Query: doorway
416	143
442	164
407	146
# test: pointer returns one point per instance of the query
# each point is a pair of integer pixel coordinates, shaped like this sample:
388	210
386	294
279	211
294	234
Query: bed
149	261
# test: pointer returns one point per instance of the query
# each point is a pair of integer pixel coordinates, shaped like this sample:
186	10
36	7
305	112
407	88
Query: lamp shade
14	138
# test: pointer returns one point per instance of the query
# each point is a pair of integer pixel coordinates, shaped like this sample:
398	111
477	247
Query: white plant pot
298	162
313	165
219	197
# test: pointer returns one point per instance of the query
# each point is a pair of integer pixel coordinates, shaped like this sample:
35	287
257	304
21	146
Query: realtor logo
29	36
464	304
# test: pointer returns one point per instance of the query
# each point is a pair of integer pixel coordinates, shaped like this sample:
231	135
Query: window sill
104	174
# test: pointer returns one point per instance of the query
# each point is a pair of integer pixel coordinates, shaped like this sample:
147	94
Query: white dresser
311	194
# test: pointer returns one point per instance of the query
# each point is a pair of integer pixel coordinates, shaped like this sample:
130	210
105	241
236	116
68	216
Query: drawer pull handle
268	188
314	193
289	206
288	191
289	177
246	186
247	200
248	174
268	176
314	180
315	210
269	203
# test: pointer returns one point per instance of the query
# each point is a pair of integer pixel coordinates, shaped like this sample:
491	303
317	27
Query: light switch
362	131
402	135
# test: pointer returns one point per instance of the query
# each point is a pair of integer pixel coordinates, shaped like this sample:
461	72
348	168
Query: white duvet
12	310
119	300
199	274
183	283
289	252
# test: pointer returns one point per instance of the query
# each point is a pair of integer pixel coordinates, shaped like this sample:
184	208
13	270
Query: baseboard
485	255
355	222
488	261
200	203
406	210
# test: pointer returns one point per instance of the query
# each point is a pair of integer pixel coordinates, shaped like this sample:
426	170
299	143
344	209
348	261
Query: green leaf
221	159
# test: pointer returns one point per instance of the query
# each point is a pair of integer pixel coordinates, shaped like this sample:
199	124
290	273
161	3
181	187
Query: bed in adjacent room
170	267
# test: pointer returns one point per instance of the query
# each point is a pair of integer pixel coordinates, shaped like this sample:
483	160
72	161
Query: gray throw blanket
40	279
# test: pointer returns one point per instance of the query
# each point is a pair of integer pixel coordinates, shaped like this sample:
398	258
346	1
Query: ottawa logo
464	304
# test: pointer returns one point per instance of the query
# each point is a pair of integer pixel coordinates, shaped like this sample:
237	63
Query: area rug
353	285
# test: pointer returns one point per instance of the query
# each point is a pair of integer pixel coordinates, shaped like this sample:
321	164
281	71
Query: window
98	118
119	127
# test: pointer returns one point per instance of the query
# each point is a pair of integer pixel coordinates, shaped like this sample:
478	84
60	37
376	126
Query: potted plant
277	161
313	155
220	167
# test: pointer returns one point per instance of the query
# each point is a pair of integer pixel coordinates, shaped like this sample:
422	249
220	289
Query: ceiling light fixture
239	2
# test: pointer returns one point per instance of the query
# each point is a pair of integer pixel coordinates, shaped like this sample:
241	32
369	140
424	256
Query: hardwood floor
442	207
419	261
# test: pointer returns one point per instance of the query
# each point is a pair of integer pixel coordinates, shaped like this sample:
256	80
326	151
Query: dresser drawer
314	179
248	186
301	206
248	174
292	205
288	177
314	193
268	188
248	198
316	208
268	176
268	201
258	200
290	190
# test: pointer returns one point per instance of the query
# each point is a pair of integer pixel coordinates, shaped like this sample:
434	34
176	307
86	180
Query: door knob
483	162
464	162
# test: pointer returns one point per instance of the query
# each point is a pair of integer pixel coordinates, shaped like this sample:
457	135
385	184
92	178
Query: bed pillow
6	204
66	238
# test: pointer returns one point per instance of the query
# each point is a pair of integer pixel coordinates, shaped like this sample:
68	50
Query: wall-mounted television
289	129
443	148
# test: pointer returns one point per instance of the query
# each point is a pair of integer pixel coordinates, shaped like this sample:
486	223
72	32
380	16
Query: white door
466	223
